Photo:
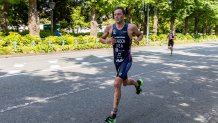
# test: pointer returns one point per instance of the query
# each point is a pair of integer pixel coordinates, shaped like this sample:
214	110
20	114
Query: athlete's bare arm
167	37
134	30
107	32
138	33
174	37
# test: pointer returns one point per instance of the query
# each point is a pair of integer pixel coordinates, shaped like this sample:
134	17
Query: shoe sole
110	121
141	84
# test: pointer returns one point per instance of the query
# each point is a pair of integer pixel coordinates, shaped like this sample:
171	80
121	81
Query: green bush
100	34
196	36
189	37
54	43
45	33
2	42
180	36
80	34
13	37
29	39
27	50
6	50
24	32
153	37
1	33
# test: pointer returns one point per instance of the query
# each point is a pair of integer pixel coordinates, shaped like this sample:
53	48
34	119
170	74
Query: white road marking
40	101
18	65
14	72
55	66
79	59
53	61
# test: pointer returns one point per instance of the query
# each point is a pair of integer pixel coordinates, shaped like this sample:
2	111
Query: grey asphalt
77	87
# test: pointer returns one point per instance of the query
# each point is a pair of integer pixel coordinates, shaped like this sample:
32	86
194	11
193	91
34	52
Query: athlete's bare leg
171	49
130	82
117	91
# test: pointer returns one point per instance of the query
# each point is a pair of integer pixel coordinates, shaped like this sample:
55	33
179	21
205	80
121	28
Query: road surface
77	87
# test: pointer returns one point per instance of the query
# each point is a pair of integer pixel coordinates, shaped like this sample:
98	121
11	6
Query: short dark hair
119	7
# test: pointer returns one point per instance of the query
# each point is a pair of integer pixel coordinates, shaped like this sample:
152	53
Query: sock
114	112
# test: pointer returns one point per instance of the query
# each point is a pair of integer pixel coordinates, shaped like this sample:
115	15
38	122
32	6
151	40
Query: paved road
77	87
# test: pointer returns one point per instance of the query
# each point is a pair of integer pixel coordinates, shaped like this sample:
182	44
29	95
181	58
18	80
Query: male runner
171	38
121	34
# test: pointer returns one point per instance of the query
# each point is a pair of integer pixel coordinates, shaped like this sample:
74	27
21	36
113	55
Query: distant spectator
57	33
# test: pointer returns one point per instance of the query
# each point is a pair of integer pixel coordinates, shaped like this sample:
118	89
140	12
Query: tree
33	18
4	15
78	21
18	14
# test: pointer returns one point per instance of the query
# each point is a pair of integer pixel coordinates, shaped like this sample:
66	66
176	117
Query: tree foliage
189	16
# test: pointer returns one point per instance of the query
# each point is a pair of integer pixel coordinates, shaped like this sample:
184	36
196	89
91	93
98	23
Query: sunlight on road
200	118
37	99
184	104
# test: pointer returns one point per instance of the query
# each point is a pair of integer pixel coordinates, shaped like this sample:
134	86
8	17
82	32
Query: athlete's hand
111	41
136	41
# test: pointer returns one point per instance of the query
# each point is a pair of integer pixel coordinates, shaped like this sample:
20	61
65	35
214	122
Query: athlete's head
119	14
171	31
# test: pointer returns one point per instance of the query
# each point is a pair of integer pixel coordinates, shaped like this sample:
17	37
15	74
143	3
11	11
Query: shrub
29	39
12	37
24	32
1	33
153	37
45	33
6	50
27	50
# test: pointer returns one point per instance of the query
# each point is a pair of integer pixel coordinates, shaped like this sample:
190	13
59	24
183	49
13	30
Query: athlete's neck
120	25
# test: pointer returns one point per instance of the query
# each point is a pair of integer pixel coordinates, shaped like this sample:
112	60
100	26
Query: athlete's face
118	16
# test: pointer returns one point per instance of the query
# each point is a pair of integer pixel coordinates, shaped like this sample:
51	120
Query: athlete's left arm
137	33
174	37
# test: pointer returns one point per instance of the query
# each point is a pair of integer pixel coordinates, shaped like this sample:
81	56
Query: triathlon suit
122	51
170	42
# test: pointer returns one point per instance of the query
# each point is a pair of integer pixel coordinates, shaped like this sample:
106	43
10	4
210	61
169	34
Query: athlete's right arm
104	39
167	37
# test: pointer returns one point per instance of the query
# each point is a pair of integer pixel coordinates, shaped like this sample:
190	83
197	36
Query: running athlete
121	34
171	38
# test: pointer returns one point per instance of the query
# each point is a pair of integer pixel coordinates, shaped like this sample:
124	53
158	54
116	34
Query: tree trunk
147	30
4	16
204	28
155	26
172	23
129	14
216	30
33	18
186	29
210	31
94	24
145	20
196	25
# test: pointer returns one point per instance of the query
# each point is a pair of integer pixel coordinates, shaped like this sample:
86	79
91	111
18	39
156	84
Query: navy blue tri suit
122	51
170	42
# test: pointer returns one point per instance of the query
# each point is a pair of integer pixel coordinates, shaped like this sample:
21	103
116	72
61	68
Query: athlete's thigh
124	69
168	43
172	43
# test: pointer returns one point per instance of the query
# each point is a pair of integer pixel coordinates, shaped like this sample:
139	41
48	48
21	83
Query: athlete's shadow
176	87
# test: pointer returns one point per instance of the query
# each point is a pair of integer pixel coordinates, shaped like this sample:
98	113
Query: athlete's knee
125	82
117	82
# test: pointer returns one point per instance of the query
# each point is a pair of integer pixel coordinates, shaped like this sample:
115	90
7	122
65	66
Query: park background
42	26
